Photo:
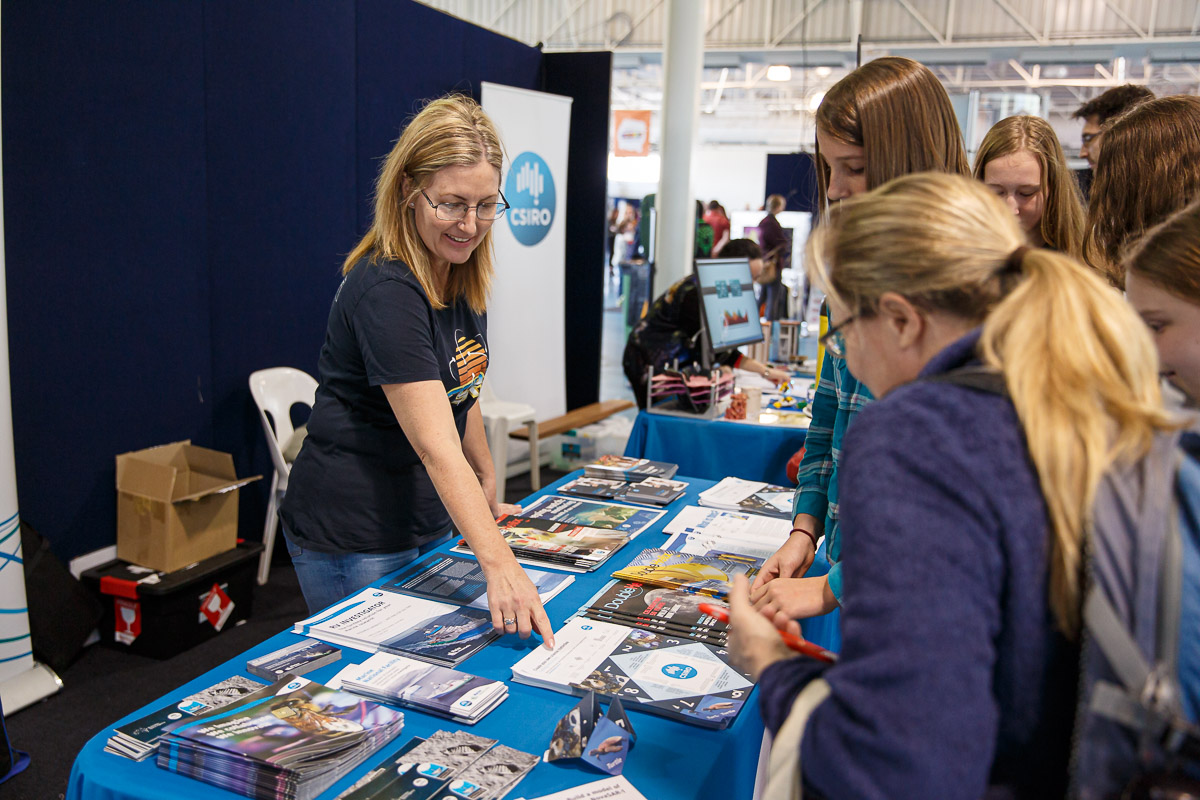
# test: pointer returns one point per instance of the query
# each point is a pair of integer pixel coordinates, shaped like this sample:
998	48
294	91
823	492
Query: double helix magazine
445	692
689	681
288	741
754	497
377	620
671	612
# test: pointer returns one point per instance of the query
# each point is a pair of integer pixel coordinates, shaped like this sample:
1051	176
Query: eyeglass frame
436	206
834	340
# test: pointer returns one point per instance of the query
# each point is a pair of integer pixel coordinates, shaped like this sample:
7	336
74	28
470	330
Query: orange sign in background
631	133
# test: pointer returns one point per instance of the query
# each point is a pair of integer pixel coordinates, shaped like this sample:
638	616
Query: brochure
706	575
651	491
295	659
561	545
388	678
615	788
454	579
733	525
755	497
688	681
377	620
602	488
592	514
629	469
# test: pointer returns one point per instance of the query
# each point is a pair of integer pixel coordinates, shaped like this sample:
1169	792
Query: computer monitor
728	310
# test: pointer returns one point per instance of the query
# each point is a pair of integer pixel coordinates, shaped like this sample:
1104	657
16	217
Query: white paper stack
705	531
751	497
394	679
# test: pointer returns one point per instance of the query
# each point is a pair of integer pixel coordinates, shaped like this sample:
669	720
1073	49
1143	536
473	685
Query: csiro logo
530	192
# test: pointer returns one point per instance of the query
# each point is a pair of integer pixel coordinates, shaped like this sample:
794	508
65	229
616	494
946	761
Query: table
714	449
670	760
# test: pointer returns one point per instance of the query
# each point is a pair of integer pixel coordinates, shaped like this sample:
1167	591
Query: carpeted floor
104	684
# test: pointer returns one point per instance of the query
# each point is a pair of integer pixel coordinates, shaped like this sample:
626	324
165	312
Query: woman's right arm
424	415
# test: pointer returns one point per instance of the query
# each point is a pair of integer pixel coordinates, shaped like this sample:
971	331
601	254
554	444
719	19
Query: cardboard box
176	504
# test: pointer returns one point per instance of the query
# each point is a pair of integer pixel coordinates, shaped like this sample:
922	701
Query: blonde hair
1169	254
1149	167
899	113
1080	366
450	131
1061	226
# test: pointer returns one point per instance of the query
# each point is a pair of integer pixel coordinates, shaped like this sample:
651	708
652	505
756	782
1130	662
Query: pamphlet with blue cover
455	579
389	678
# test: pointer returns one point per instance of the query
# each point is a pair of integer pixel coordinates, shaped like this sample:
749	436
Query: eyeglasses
834	341
453	212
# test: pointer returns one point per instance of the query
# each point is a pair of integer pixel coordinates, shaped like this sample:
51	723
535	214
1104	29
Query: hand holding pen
754	642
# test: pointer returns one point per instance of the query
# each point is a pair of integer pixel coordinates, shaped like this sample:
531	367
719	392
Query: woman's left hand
502	509
515	604
754	643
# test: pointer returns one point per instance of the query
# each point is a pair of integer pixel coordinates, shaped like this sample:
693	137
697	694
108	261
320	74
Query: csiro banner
526	361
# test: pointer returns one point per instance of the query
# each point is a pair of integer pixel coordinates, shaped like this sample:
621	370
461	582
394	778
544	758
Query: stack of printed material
624	468
651	491
445	692
138	740
707	531
670	612
295	659
454	579
705	575
688	681
378	620
449	765
591	514
755	497
288	741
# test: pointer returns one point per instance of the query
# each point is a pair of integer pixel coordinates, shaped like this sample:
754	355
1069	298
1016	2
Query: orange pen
793	642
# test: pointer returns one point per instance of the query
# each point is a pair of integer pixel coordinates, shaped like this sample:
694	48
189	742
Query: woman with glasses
396	453
966	507
888	118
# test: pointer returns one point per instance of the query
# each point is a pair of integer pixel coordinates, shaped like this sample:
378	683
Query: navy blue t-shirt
357	485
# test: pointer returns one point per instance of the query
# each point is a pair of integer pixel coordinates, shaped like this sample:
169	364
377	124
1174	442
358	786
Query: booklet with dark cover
454	579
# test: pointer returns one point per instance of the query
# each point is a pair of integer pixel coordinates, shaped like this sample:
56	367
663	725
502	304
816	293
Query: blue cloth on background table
671	759
715	449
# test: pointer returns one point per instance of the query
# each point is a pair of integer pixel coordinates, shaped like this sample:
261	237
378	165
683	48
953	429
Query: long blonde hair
1061	226
1079	365
899	113
450	131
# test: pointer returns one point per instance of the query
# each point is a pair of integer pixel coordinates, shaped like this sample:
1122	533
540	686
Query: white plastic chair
500	417
275	391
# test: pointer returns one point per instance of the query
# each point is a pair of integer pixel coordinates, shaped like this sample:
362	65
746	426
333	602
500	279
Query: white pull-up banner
526	356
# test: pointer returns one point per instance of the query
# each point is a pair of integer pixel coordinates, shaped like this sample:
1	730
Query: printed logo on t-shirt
469	364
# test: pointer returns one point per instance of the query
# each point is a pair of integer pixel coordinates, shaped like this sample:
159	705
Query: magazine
688	681
754	497
377	620
629	469
592	514
388	678
674	611
706	575
558	544
602	488
454	579
651	491
291	740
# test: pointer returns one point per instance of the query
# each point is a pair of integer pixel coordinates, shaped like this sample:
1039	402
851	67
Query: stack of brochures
379	620
295	659
624	468
707	531
449	765
442	691
288	741
651	491
138	740
706	575
454	579
685	680
754	497
669	612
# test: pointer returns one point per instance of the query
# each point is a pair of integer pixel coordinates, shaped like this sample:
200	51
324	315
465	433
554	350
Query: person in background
716	217
1162	283
614	225
396	453
705	238
777	248
888	118
1148	168
670	331
967	510
1021	160
1101	109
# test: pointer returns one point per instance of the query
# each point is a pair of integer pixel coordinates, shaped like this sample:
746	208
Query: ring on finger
508	621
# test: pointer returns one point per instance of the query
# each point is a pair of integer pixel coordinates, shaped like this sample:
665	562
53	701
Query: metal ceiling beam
795	23
1113	7
924	23
1020	20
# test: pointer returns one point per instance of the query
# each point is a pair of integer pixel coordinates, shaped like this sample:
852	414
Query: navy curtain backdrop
794	176
181	182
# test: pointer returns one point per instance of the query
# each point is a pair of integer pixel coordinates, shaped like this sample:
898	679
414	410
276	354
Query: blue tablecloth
670	760
714	449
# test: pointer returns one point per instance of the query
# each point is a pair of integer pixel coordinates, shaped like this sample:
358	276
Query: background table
670	760
714	449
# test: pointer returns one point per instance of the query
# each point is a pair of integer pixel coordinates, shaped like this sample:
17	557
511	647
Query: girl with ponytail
967	509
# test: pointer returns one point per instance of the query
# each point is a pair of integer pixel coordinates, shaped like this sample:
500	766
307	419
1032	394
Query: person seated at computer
670	331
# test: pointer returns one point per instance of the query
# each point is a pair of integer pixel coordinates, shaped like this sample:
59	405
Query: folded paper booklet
454	579
376	620
692	682
706	575
389	678
629	469
754	497
592	514
587	733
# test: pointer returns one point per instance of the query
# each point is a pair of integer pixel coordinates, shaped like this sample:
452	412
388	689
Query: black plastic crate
159	614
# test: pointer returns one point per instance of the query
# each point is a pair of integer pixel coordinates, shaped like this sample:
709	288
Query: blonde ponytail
1079	364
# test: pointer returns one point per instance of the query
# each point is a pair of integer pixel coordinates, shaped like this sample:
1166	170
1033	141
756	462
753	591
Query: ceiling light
823	72
779	72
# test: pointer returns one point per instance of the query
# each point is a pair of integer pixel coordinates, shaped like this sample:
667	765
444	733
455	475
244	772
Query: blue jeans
326	578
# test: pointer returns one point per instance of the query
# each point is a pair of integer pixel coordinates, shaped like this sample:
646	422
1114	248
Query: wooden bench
576	418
